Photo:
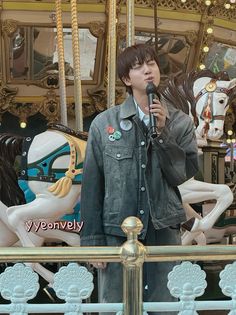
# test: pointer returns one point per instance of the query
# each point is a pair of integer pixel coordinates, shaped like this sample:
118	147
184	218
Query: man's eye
136	66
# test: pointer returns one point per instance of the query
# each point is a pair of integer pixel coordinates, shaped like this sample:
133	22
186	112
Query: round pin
111	138
126	124
117	134
110	130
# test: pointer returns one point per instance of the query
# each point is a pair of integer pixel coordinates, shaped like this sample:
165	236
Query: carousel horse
205	97
52	165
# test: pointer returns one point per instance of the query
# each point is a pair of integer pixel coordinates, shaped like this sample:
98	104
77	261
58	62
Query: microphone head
151	88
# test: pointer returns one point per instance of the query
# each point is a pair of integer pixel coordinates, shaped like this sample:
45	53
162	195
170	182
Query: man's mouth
150	79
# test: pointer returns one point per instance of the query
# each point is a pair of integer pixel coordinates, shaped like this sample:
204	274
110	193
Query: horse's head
211	100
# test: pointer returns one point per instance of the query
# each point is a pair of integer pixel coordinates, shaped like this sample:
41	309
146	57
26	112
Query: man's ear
126	81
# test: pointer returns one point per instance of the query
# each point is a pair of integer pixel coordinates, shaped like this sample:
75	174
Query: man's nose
146	68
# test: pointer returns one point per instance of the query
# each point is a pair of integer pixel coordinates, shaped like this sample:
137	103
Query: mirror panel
33	54
222	57
18	53
173	50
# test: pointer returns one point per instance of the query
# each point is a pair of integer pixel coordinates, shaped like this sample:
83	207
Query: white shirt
143	117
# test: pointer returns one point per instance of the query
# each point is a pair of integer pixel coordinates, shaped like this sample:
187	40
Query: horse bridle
207	110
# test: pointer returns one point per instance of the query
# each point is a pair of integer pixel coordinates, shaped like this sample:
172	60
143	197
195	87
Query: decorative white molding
186	282
19	283
228	280
228	284
73	283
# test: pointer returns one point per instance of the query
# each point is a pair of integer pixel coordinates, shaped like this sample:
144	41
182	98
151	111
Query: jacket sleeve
177	150
92	192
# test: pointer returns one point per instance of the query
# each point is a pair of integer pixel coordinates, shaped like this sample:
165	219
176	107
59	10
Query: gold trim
62	187
61	62
7	97
48	105
130	23
169	12
112	254
25	110
26	6
9	27
32	99
166	14
133	254
211	86
225	23
111	78
97	28
77	67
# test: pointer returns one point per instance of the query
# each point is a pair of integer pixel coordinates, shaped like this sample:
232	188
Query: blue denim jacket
132	174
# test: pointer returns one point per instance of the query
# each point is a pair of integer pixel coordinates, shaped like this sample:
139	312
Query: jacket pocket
174	201
119	153
119	168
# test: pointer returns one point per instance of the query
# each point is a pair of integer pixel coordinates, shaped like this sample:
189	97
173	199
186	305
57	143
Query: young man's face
141	74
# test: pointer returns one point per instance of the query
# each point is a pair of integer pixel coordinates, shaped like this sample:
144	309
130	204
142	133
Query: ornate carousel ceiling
188	34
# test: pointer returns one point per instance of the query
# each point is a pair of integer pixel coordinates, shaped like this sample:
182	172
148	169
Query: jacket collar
128	108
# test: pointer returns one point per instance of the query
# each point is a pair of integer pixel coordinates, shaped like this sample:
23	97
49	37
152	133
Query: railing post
132	255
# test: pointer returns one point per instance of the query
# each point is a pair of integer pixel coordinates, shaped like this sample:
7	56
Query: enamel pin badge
113	134
126	124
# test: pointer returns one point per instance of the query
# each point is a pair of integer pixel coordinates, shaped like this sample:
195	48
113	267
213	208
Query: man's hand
99	265
158	110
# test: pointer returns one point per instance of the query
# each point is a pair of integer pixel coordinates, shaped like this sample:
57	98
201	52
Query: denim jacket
127	173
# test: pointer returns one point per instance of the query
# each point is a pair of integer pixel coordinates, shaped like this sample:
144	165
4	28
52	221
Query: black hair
130	56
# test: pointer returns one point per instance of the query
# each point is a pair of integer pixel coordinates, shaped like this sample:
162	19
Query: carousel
58	72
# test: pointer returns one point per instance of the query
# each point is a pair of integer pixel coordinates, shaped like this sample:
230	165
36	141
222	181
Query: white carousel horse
225	224
53	170
205	97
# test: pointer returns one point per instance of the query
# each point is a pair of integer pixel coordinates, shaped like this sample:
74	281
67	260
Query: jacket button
118	155
142	143
160	141
143	166
143	188
141	211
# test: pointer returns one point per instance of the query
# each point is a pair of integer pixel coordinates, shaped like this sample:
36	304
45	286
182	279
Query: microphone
151	91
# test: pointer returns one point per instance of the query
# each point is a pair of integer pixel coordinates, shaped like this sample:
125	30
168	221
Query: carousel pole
76	65
61	64
156	25
111	77
130	29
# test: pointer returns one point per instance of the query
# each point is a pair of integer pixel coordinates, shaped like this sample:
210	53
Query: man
127	172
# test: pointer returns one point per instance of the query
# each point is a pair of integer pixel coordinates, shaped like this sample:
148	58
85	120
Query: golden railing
132	254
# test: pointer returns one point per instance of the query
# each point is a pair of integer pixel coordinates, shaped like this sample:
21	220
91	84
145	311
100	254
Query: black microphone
151	91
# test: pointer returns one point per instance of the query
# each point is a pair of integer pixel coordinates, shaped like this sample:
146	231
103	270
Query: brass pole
206	19
156	26
111	78
61	62
76	65
112	254
130	23
133	254
231	160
